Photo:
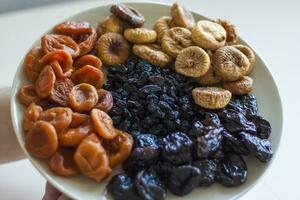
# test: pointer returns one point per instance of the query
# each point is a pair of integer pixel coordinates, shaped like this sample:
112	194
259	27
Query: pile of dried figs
175	108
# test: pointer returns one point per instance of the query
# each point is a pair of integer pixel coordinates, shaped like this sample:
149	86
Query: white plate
81	187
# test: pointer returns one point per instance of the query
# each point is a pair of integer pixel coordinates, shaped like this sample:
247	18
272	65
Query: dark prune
196	130
121	187
235	122
149	186
263	127
234	144
176	148
212	119
246	104
183	179
232	170
146	140
208	143
208	169
261	148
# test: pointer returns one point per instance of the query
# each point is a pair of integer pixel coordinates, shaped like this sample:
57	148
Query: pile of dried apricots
66	120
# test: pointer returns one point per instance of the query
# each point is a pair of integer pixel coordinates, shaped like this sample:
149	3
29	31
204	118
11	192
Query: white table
272	28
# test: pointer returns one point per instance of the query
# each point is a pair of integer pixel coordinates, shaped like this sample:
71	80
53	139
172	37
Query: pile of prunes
177	144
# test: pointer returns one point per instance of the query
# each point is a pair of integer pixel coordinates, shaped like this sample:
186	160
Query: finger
51	193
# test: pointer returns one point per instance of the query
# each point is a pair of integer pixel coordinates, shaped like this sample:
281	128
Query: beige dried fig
229	63
230	30
161	26
111	24
175	40
209	78
182	17
140	35
208	35
113	49
152	53
249	54
192	61
239	87
211	97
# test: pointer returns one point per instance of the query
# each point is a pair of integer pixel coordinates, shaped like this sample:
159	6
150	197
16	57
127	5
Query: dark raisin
232	143
196	130
263	127
121	187
208	169
261	148
211	119
232	170
176	148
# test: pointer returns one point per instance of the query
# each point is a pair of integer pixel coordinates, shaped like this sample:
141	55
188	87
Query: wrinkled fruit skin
208	169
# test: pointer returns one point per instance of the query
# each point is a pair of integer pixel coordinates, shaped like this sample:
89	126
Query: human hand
51	193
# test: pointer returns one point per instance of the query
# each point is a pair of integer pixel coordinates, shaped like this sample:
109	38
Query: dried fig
175	40
192	61
60	92
211	97
161	26
249	54
111	24
230	64
27	95
182	17
31	115
128	14
230	30
140	35
240	87
32	66
208	35
152	53
209	78
113	49
45	82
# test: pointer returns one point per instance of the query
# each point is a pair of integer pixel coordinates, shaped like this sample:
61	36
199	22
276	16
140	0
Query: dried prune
183	179
246	104
208	143
233	143
149	186
208	169
121	187
263	127
232	170
261	148
211	119
146	140
176	148
196	130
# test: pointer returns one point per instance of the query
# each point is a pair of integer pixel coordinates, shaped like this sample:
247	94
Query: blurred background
12	5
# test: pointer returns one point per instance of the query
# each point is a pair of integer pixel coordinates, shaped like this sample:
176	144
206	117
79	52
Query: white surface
81	187
270	27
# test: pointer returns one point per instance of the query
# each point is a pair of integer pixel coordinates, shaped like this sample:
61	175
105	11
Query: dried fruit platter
169	130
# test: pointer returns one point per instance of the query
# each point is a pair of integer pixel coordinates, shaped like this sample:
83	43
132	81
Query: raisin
232	170
246	104
233	143
176	148
208	169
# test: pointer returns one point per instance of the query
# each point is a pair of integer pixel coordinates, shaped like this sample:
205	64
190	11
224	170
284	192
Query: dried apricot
89	74
119	148
78	119
41	140
85	42
54	42
27	95
46	103
31	115
45	82
73	27
103	124
59	73
62	163
88	60
32	66
60	92
59	117
73	136
105	102
83	97
91	158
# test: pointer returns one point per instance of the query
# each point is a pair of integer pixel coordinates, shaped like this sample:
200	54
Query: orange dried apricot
59	71
119	148
78	119
27	95
91	158
31	115
73	27
60	92
59	117
85	42
64	58
88	60
105	102
32	66
103	124
54	42
73	136
45	82
62	163
41	140
83	97
46	103
89	74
